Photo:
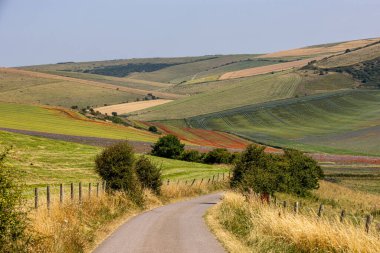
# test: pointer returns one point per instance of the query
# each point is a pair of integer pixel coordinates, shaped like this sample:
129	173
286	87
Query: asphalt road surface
178	228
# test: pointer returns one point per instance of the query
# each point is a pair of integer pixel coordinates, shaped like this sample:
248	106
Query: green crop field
35	118
343	122
224	95
40	161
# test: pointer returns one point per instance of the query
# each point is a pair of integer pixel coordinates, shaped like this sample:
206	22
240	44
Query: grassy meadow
40	161
17	88
228	94
344	122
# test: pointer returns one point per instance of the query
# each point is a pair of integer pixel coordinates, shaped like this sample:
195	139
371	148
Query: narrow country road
175	228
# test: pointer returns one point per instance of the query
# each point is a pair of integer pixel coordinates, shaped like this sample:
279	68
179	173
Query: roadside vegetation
279	204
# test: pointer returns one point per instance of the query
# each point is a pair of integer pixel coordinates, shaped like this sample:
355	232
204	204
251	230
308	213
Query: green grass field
343	122
40	161
32	90
218	96
35	118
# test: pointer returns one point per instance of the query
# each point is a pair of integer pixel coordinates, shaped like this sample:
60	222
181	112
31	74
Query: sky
49	31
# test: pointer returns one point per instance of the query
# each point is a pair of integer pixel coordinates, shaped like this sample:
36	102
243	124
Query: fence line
39	195
342	214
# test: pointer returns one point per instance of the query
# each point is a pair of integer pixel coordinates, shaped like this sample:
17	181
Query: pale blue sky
50	31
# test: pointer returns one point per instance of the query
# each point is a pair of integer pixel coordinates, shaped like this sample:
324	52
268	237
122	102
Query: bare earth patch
131	107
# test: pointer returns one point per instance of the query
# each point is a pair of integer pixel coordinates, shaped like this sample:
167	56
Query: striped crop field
62	121
229	94
342	122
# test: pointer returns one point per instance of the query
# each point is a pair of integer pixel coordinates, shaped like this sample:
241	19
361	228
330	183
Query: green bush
218	155
149	174
116	165
191	156
264	173
153	129
300	173
168	146
13	220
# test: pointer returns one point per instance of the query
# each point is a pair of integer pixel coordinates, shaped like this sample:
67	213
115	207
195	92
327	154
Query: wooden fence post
208	180
296	207
48	197
201	182
342	215
368	222
80	192
72	191
89	190
284	204
61	194
35	198
97	189
213	177
168	182
192	182
320	210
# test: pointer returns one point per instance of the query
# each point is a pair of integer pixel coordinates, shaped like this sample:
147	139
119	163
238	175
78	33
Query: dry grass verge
79	228
263	228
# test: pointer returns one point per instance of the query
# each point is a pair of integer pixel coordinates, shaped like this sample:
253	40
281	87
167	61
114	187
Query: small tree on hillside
168	146
153	129
149	174
301	173
191	156
218	155
116	165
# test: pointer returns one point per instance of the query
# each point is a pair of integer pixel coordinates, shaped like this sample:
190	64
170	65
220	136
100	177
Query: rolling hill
285	98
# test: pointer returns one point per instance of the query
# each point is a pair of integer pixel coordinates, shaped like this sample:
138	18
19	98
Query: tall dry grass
74	227
263	228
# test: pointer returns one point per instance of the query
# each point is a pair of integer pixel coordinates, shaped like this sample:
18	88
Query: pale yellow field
131	107
266	69
322	49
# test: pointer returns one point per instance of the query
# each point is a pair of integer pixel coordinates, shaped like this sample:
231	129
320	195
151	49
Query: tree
149	174
218	155
153	129
191	156
301	173
116	165
114	114
264	173
168	146
13	220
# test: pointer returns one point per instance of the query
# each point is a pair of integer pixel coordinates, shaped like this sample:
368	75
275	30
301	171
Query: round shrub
153	129
116	165
168	146
149	174
191	156
218	155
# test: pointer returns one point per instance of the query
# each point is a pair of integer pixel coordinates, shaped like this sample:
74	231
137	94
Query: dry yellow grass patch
131	107
266	228
321	50
266	69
